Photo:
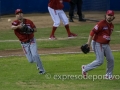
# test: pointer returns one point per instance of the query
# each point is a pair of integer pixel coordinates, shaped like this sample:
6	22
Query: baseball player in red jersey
28	42
100	37
55	9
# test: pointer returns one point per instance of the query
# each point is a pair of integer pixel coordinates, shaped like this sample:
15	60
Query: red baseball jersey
21	36
102	31
57	4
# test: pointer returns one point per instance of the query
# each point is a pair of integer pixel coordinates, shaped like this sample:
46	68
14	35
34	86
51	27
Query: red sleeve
98	27
15	23
92	33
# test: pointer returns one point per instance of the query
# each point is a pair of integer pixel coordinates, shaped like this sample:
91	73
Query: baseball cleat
72	35
52	38
83	71
41	72
82	20
110	77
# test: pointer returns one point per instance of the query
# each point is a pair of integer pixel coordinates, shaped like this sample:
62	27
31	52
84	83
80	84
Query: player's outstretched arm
16	27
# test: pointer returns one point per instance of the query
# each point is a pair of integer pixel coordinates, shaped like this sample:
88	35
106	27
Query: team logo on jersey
96	27
106	37
105	28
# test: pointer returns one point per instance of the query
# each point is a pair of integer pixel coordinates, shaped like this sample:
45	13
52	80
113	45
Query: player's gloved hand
26	29
85	48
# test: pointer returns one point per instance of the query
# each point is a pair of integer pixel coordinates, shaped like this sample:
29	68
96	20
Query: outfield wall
40	6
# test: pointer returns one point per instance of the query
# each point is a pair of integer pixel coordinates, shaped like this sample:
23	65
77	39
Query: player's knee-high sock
53	31
67	29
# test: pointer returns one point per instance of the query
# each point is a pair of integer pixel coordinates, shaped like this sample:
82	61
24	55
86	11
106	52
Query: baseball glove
26	29
85	48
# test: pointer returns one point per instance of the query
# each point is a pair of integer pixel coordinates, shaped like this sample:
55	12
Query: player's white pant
58	15
101	50
30	50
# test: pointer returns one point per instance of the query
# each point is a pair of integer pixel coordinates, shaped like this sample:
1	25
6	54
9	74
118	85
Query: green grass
63	72
18	74
43	33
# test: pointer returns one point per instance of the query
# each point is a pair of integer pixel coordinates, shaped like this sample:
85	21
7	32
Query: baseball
9	20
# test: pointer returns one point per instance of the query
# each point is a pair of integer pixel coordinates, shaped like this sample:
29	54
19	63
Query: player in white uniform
100	36
55	9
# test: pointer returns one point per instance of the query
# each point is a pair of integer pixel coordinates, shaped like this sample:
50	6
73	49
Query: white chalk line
47	53
44	39
57	53
117	31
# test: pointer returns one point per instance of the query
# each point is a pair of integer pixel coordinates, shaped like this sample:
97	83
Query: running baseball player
100	37
24	29
55	9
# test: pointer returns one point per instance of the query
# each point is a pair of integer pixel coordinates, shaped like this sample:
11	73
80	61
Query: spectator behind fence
73	4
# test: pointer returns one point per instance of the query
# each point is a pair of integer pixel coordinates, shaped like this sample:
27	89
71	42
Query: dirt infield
44	20
41	51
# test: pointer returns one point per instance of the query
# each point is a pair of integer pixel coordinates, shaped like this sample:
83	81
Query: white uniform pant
58	15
